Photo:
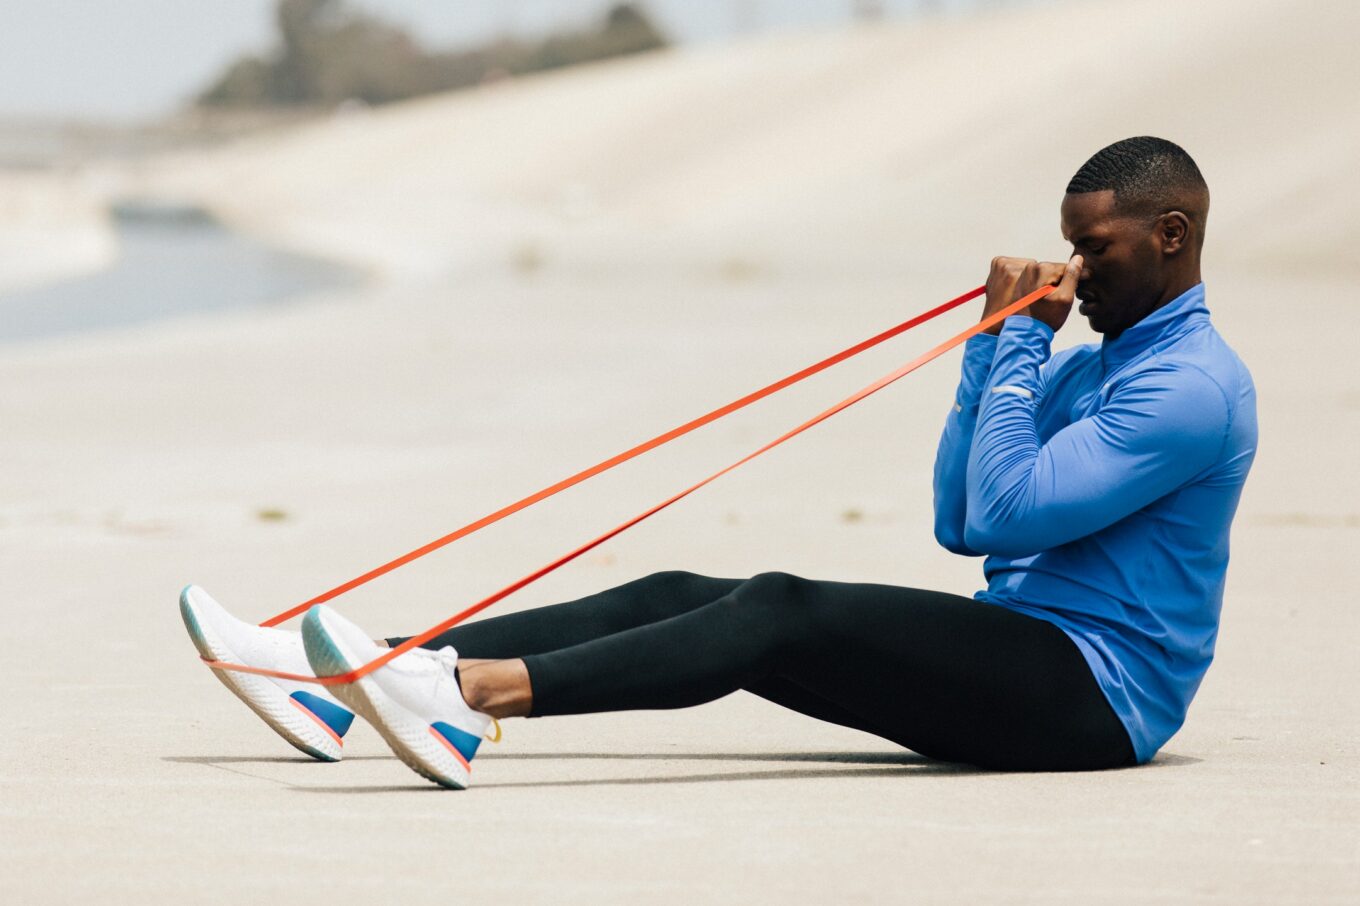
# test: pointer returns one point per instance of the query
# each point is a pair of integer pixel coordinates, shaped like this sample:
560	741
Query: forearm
1001	515
951	458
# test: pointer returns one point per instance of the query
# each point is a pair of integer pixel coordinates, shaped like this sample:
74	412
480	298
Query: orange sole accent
319	722
452	751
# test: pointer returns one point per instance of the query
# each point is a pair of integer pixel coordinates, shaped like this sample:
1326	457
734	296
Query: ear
1172	232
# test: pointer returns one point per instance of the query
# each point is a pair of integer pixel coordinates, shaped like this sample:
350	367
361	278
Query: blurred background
93	91
739	130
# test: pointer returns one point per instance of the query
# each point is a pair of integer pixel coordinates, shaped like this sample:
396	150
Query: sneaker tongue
449	656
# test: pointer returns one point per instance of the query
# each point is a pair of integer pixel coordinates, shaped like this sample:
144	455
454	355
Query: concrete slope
828	150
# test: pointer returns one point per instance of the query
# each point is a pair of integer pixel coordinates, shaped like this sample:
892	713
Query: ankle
496	688
477	692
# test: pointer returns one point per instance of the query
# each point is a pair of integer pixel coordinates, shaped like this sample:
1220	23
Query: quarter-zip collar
1173	318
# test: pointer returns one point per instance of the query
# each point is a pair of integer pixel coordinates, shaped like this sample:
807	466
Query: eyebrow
1089	238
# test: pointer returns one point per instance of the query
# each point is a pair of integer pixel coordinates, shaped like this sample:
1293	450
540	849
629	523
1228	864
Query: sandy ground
574	263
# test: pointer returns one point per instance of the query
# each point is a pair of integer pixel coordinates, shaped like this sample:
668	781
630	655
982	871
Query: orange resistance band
418	640
623	457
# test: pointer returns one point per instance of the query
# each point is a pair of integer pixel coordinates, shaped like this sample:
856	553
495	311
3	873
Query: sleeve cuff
978	353
1025	327
980	341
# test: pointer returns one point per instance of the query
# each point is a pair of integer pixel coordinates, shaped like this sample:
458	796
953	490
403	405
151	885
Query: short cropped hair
1149	176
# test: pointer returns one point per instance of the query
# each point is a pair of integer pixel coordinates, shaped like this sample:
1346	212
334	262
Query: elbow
954	543
997	538
951	537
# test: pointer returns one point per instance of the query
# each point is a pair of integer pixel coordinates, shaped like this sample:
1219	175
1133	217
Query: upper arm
1158	429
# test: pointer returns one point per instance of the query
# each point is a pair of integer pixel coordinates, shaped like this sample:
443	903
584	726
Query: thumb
1067	286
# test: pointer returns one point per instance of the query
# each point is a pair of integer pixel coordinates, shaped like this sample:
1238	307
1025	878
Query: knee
782	592
780	608
672	577
673	584
671	593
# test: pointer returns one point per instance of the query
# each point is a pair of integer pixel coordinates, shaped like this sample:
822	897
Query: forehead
1089	212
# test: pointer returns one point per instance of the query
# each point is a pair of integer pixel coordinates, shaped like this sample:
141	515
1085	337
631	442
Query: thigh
956	679
788	694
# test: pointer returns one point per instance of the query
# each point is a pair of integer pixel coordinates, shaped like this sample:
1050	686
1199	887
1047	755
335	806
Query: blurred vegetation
330	53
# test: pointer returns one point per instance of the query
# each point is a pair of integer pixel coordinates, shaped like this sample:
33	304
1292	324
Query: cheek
1107	268
1128	275
1146	254
1126	263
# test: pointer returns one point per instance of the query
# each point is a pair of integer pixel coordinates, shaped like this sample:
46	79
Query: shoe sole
284	714
411	738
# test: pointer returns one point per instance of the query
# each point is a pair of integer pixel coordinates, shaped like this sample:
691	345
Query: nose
1085	269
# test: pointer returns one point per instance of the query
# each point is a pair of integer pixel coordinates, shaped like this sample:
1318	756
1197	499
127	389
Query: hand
1013	278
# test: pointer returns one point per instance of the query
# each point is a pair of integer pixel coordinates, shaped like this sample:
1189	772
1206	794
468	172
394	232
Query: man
1100	482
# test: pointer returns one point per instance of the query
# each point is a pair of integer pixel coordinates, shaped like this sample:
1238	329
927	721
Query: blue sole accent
463	741
337	718
186	612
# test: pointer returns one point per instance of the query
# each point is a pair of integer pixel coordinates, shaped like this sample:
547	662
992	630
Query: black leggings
946	676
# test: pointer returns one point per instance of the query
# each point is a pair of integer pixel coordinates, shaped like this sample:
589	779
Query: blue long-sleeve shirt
1101	485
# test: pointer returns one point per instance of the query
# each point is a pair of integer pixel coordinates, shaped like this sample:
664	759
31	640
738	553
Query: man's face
1121	280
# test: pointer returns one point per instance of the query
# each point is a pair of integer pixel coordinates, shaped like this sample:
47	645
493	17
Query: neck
1178	286
1174	289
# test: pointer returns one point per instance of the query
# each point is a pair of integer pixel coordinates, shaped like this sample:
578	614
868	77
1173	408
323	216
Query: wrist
1027	325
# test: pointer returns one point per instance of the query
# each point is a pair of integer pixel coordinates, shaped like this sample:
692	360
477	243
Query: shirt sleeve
951	459
1158	429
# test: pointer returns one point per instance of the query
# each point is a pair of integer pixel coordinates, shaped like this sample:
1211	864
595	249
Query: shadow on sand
219	760
857	764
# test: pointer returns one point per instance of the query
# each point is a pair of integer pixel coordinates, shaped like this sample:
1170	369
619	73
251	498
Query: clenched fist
1012	278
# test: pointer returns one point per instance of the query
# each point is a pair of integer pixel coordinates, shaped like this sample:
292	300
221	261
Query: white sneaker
414	702
305	714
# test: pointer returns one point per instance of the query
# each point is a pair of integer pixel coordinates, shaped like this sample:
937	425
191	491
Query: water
172	261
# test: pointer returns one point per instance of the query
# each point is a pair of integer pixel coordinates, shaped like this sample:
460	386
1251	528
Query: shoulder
1192	393
1200	368
1206	349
